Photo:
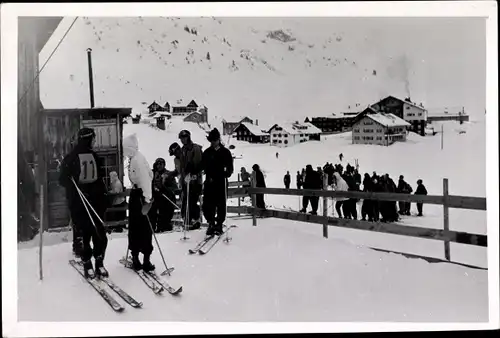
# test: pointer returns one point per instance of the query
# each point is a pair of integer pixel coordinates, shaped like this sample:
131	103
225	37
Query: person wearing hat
420	191
190	174
164	187
81	171
217	163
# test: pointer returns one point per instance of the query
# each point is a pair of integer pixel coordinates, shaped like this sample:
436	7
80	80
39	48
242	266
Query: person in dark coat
299	180
350	206
312	181
259	183
377	187
287	180
163	187
245	177
404	188
217	163
390	213
367	209
420	191
341	157
190	174
82	167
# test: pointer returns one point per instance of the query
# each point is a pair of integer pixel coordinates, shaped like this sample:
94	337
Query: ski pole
168	199
225	196
84	199
167	270
186	218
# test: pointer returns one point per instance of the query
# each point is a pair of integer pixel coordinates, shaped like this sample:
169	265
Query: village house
251	133
228	126
372	127
154	107
288	134
415	114
200	116
185	110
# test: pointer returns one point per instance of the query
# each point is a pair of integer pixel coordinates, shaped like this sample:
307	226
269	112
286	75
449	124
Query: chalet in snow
179	110
288	134
372	127
415	114
249	132
230	124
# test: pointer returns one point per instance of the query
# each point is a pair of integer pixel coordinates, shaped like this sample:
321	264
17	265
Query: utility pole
91	77
442	136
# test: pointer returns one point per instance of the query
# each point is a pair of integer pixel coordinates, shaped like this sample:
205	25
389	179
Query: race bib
88	169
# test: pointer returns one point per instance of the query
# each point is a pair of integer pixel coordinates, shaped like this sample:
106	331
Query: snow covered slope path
292	275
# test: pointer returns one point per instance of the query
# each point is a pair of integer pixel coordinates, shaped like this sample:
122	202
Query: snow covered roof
293	128
235	118
388	120
255	130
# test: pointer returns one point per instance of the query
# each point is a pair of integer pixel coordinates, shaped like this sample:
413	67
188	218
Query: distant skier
287	180
277	154
190	174
81	172
341	157
260	183
217	163
140	234
420	191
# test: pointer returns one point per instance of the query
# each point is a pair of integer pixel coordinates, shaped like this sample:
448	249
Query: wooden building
58	135
185	110
337	123
415	114
288	134
33	34
251	133
379	128
154	107
200	116
229	125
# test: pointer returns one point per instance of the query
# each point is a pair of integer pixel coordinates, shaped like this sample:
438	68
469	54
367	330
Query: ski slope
277	271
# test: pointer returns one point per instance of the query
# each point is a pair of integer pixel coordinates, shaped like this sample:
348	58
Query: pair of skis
97	285
205	245
152	280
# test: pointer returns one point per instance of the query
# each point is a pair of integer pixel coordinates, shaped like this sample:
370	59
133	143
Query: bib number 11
88	169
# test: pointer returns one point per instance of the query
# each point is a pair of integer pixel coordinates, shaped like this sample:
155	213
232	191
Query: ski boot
100	269
88	269
218	230
136	264
147	266
210	230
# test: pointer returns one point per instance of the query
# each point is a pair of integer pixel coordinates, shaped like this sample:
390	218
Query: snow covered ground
283	270
277	271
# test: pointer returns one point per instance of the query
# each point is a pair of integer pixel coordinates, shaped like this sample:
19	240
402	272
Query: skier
117	201
217	162
299	180
260	183
312	181
420	191
140	234
190	174
81	172
341	156
162	210
277	155
175	150
287	180
340	185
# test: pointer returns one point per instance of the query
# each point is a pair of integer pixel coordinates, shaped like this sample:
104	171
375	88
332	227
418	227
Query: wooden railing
446	200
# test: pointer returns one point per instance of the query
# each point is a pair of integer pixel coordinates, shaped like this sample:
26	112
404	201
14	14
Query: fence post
254	199
239	198
41	233
325	206
446	219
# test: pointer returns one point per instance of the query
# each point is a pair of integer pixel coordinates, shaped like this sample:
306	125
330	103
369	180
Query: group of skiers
350	180
152	197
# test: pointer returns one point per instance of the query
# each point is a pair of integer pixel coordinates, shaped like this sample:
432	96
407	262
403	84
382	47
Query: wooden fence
446	200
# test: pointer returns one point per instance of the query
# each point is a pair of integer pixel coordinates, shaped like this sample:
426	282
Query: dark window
286	142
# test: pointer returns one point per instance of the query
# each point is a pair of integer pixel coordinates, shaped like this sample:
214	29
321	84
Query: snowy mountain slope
317	280
275	68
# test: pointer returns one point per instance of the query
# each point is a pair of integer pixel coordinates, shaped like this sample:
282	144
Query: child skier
164	186
140	235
